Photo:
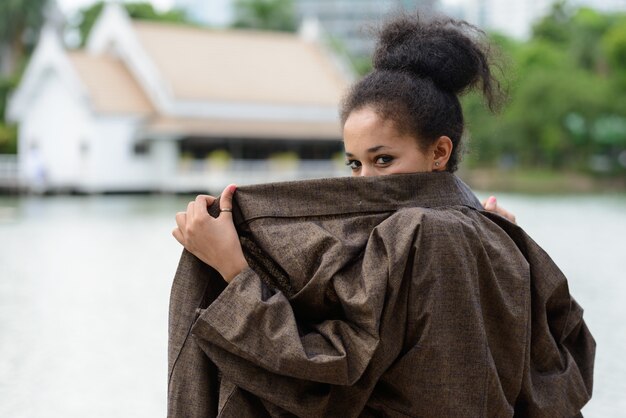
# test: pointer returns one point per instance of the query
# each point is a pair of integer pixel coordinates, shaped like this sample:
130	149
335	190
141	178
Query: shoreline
540	182
522	181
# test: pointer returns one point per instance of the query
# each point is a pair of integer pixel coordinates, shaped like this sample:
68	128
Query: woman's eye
384	159
353	164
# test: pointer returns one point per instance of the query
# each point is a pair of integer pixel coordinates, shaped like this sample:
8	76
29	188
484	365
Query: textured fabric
381	296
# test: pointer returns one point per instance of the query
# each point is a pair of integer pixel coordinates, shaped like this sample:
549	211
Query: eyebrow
369	150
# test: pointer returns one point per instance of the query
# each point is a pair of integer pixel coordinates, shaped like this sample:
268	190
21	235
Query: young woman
405	117
405	299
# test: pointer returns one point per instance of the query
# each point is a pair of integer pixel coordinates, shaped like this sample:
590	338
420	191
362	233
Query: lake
85	280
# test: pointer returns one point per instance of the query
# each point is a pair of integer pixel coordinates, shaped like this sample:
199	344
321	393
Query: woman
385	114
398	297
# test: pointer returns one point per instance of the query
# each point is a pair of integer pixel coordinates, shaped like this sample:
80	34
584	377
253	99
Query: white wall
57	123
77	149
165	163
115	166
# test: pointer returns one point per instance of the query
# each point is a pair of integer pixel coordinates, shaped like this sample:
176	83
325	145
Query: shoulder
461	233
438	223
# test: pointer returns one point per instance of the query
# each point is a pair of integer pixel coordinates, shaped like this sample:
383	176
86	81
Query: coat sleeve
558	369
262	326
259	325
558	375
312	365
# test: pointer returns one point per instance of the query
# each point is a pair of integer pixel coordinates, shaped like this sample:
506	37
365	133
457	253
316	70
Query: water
84	287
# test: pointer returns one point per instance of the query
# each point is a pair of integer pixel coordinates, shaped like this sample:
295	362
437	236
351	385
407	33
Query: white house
165	107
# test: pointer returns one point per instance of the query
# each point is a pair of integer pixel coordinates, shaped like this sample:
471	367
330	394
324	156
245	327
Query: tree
589	26
20	23
8	134
276	15
567	86
141	11
614	46
553	27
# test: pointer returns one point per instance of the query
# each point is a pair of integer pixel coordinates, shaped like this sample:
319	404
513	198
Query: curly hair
421	68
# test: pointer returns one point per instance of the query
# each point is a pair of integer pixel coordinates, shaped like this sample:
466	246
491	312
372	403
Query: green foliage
220	158
614	46
278	15
88	18
20	23
553	28
8	139
6	85
19	16
8	133
141	11
145	11
567	89
360	64
542	56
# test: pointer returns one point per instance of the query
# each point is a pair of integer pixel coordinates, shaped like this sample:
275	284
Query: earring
436	163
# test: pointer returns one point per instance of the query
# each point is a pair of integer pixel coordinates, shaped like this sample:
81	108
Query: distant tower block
350	21
216	13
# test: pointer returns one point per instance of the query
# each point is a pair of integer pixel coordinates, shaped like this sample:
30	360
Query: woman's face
374	147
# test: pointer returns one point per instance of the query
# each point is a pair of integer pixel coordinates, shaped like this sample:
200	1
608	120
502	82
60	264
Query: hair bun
442	50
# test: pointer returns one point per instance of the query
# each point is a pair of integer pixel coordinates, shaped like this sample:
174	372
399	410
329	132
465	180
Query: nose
366	171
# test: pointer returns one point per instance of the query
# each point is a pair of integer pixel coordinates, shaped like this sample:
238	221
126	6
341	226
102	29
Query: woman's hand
212	240
491	204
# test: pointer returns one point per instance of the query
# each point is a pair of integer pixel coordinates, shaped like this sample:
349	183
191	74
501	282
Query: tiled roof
111	87
241	66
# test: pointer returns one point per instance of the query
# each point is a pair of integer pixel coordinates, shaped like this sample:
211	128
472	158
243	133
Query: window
141	147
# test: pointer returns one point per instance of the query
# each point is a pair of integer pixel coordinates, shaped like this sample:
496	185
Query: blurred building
516	17
153	106
513	18
351	22
348	22
601	5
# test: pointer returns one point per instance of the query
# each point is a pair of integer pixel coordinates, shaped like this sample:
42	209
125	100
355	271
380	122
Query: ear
442	150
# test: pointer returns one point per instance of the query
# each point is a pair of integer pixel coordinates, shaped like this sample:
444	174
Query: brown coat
390	296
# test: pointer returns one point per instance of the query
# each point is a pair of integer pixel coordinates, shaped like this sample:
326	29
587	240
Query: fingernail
492	199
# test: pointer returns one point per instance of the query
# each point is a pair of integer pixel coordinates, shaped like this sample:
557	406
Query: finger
176	232
203	202
491	204
508	215
226	199
208	198
190	213
181	220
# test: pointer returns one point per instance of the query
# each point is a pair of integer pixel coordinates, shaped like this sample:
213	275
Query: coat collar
345	195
